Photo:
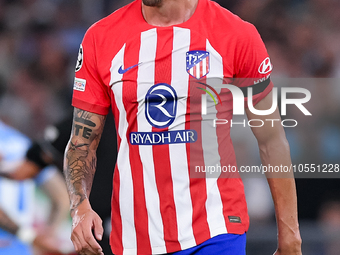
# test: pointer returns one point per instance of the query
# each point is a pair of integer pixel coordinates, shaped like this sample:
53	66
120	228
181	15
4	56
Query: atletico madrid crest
198	63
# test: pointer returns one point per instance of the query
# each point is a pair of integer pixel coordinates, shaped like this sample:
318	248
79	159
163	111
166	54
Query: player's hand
84	221
289	245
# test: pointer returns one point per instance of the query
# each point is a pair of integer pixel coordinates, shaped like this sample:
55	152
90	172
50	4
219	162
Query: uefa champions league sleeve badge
79	59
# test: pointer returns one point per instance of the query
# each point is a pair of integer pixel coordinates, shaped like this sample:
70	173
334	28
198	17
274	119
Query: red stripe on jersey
161	154
131	107
197	183
115	112
207	64
230	184
226	153
235	204
198	187
201	69
116	233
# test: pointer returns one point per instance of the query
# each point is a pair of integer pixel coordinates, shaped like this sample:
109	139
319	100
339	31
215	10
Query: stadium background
39	41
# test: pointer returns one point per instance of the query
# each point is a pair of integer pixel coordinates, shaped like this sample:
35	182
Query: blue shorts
225	244
11	245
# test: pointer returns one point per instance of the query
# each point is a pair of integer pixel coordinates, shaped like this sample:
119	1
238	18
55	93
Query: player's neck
169	12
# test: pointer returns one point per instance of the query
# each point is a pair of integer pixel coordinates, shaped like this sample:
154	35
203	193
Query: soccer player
17	233
152	61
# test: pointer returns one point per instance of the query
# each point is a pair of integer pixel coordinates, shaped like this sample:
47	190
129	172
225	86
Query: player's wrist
290	243
80	208
288	226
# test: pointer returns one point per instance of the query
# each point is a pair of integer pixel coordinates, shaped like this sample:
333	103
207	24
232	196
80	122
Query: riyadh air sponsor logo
198	63
167	137
80	58
161	105
123	71
266	66
160	112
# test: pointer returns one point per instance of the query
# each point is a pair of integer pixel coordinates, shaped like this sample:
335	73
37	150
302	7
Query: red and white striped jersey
153	78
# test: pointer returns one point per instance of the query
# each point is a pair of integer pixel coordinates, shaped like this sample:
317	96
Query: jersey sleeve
89	91
252	64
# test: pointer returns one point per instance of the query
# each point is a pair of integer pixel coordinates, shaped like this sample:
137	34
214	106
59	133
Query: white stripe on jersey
178	153
126	203
147	55
211	156
17	200
192	71
204	65
198	70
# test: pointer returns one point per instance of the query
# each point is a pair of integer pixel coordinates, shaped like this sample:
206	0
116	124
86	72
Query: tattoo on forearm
80	157
86	131
83	117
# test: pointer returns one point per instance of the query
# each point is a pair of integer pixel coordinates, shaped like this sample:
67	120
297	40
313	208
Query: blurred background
39	42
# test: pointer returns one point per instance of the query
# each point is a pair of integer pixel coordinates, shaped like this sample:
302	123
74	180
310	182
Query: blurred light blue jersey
17	197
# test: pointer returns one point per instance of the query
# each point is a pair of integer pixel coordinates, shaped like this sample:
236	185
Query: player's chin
152	3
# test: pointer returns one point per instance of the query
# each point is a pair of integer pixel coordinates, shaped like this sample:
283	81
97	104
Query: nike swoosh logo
123	71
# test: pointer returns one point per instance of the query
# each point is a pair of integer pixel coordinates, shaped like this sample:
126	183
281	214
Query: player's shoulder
230	22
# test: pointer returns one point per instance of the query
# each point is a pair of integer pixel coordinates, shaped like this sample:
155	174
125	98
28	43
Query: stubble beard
152	3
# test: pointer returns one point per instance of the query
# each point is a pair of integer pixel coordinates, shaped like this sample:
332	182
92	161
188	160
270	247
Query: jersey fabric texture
154	78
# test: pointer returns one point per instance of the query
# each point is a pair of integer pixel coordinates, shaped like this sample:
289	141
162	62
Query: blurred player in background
141	61
50	150
17	205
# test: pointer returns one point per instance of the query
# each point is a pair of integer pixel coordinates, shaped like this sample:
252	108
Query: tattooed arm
79	168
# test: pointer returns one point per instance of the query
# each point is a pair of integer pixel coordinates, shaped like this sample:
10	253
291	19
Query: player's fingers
90	242
98	228
76	243
85	248
80	239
